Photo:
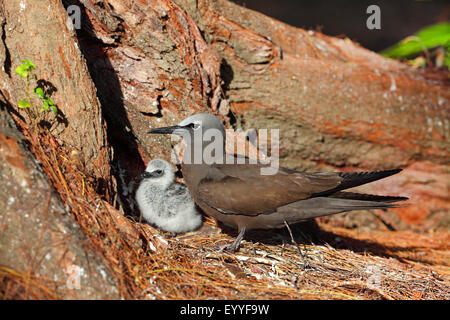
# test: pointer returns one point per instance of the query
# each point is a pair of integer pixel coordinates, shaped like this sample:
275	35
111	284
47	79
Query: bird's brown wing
241	189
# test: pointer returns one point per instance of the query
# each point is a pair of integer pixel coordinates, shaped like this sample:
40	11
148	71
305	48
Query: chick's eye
159	172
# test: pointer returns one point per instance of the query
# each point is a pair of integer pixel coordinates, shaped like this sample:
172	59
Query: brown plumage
238	195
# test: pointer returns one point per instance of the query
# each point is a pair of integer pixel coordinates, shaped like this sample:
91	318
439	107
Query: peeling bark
331	88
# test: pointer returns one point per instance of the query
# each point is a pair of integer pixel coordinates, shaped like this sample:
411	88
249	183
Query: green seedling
24	104
25	70
47	103
437	35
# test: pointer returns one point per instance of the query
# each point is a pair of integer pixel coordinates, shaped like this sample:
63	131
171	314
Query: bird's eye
159	172
194	126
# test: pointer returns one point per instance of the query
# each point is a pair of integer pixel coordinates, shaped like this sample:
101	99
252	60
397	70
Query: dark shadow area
49	88
5	105
156	114
7	63
309	232
178	173
304	233
399	19
126	163
227	75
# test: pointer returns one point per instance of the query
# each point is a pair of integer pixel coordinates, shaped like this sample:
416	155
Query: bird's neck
193	174
204	152
197	159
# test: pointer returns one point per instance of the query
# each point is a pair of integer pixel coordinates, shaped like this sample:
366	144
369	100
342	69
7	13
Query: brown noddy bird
239	195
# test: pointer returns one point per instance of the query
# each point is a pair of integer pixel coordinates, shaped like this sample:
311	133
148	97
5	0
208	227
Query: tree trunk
37	30
43	254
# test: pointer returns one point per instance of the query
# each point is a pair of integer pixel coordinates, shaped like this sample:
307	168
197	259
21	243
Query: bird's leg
298	247
282	247
254	250
292	238
235	245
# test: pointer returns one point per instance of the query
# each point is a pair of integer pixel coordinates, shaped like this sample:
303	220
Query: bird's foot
172	235
235	245
227	247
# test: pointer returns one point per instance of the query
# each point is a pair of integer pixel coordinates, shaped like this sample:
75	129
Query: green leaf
39	92
21	72
27	64
426	38
54	109
45	105
24	103
49	101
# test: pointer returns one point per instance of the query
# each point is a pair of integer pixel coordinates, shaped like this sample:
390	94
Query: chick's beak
143	175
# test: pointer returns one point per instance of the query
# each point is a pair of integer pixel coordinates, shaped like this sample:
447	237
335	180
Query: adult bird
240	196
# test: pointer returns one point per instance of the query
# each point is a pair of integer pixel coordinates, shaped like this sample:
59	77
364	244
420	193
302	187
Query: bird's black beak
165	130
143	175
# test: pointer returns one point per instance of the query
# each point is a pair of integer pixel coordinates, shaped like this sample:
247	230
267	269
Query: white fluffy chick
163	202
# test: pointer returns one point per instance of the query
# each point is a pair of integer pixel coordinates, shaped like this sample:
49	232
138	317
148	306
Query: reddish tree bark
142	64
37	30
43	253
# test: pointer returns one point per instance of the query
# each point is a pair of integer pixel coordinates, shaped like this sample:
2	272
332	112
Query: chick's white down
163	202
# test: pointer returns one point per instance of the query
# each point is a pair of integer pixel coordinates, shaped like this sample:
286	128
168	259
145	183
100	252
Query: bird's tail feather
367	197
324	206
354	179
